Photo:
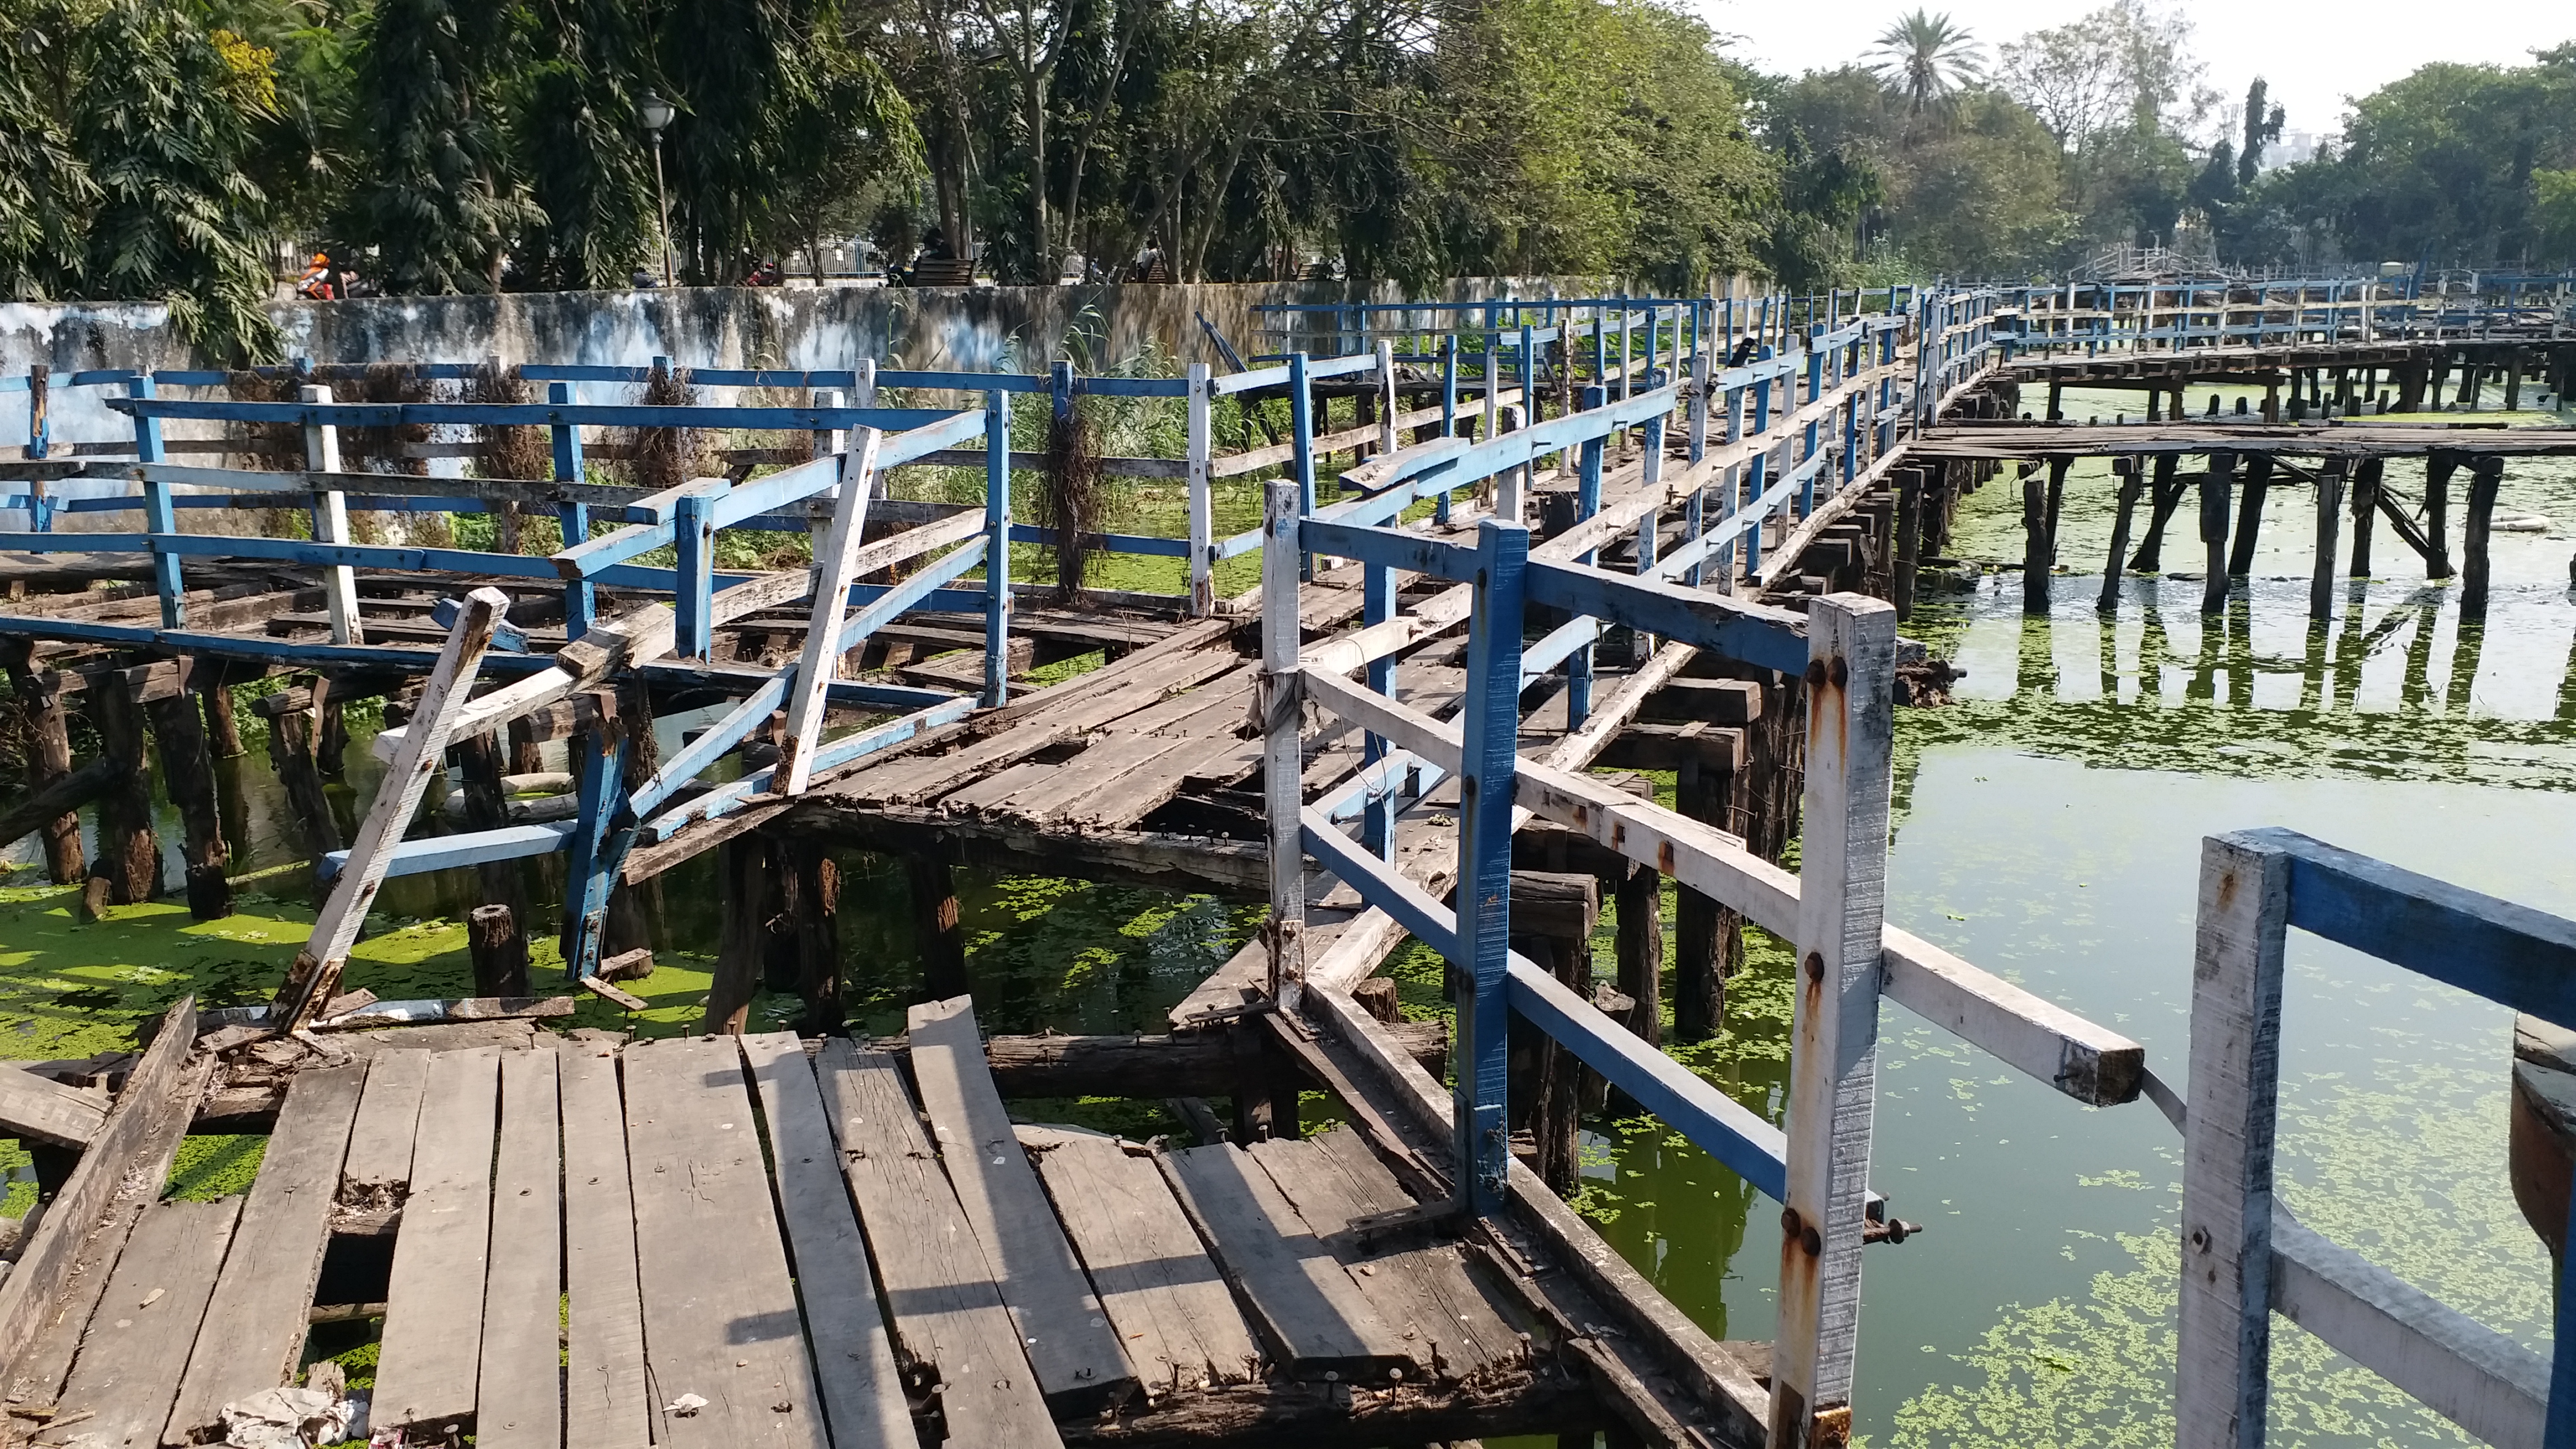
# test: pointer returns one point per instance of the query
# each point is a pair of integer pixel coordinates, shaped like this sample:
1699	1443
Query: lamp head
654	112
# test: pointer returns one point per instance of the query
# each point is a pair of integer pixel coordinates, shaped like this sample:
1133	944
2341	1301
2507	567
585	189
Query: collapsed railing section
2168	315
1843	647
2244	1257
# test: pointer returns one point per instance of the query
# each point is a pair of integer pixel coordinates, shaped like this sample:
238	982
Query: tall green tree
1926	57
583	150
44	188
436	194
162	117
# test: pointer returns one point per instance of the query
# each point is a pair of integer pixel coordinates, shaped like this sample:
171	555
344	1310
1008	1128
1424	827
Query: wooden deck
768	1241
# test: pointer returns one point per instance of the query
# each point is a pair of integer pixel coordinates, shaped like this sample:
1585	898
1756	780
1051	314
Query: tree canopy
180	150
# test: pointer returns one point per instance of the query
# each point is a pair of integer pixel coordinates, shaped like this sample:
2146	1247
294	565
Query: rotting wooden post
189	777
2224	1344
2132	476
1640	947
330	729
1833	1058
2486	477
2164	497
742	933
2365	511
2329	520
290	751
1202	507
1283	707
937	928
129	854
2249	515
478	760
1702	929
2034	541
2438	468
40	704
499	950
2215	488
1909	539
812	902
215	702
331	521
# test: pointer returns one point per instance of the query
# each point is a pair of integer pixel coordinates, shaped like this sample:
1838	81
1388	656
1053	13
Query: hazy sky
2313	56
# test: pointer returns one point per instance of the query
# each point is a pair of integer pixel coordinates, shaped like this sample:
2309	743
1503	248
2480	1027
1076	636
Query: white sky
2314	57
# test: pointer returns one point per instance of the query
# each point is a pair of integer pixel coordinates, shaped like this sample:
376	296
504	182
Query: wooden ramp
759	1241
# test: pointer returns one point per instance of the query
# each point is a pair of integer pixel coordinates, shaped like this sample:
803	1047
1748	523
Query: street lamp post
656	113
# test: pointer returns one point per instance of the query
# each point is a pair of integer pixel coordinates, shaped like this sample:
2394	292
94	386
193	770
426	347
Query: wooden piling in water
812	903
1910	485
2215	490
1553	914
49	758
477	759
2365	511
2438	468
290	751
499	950
744	906
2035	560
215	702
188	775
129	853
2486	478
936	929
1699	925
2249	515
2166	496
1640	948
2329	521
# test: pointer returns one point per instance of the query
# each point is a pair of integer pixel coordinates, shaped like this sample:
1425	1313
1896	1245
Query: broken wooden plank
276	1257
1164	1295
604	1392
863	1396
1313	1313
720	1316
1079	1363
470	1008
33	1106
138	1340
519	1400
427	1366
376	1173
948	1315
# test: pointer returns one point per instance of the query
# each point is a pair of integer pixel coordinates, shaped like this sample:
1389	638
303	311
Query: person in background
316	285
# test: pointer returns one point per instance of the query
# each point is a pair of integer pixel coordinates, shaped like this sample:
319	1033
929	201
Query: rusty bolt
1815	671
1790	1223
1812	1241
1841	672
1815	966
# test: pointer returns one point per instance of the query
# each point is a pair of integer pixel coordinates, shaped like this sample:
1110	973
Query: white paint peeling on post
1833	1061
331	522
1282	711
2222	1370
1386	400
838	561
1202	448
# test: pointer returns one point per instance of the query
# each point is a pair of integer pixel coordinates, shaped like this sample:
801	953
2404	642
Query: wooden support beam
2215	488
2133	480
2485	478
746	901
2330	480
2167	496
2365	510
129	853
189	777
2438	468
2249	515
49	759
56	800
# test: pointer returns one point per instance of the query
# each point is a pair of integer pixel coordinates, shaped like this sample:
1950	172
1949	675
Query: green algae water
2049	829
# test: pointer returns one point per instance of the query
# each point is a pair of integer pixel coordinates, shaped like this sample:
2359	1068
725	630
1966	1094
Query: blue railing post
693	537
997	547
1448	414
1378	606
40	507
1301	433
159	515
581	604
1491	730
1587	502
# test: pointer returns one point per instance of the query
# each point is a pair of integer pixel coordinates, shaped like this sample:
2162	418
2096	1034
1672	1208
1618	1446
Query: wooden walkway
672	1242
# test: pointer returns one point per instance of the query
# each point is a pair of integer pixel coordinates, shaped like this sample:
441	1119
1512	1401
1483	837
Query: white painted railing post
1386	400
827	441
1833	1061
1282	710
863	392
331	522
1202	507
2222	1370
836	568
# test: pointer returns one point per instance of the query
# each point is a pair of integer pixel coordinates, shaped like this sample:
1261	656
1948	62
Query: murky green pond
2049	830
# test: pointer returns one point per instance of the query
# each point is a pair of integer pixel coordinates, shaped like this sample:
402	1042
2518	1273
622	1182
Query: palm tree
1926	57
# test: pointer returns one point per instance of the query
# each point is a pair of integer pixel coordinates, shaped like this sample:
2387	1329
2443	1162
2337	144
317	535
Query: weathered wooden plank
34	1106
36	1375
2222	1376
1070	1344
722	1327
1315	1316
276	1258
519	1400
130	1359
863	1396
377	1170
1164	1295
431	1357
604	1392
2461	1369
948	1315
